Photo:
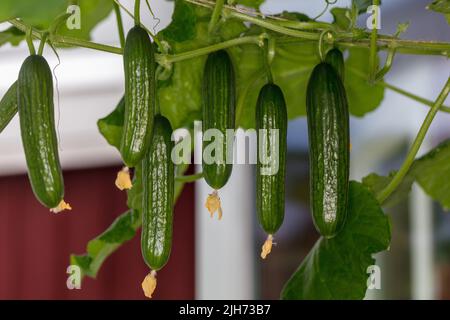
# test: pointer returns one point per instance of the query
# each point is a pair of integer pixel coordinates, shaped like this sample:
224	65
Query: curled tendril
328	3
322	35
158	20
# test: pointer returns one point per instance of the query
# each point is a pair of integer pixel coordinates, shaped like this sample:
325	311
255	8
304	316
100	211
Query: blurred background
212	259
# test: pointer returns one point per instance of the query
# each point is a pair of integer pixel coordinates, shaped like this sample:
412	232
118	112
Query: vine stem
412	96
154	37
398	177
29	40
42	44
167	59
65	40
137	12
215	15
373	43
119	24
189	178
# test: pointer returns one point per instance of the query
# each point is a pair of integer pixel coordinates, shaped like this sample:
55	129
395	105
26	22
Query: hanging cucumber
271	127
140	100
218	103
335	58
157	206
37	126
328	128
8	106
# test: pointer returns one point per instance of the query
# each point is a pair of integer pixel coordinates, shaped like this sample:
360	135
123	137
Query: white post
224	250
421	239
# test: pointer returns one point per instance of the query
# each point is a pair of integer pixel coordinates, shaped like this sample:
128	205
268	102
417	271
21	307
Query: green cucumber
158	196
8	106
37	126
271	114
335	58
328	129
140	95
218	103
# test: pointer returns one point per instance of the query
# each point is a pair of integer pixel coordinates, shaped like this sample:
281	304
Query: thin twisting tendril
328	2
158	20
57	95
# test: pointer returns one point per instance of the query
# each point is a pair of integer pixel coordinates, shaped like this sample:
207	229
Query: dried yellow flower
123	180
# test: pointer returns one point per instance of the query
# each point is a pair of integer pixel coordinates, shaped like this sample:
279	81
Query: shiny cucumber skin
140	95
8	106
218	104
37	126
270	189
328	128
158	196
335	58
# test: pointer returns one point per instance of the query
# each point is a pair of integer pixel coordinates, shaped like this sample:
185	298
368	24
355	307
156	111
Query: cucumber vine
276	48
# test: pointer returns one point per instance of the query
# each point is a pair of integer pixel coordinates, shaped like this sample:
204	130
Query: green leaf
291	69
11	35
92	13
37	13
111	125
362	97
342	17
41	14
182	26
376	183
441	6
431	171
121	230
337	268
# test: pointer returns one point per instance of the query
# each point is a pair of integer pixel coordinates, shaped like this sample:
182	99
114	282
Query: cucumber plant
207	65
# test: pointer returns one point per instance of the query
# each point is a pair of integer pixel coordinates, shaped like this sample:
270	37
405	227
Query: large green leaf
34	12
376	183
337	268
92	12
41	14
182	26
123	229
431	171
342	17
98	249
362	97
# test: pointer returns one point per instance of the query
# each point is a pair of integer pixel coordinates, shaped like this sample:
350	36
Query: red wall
35	244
